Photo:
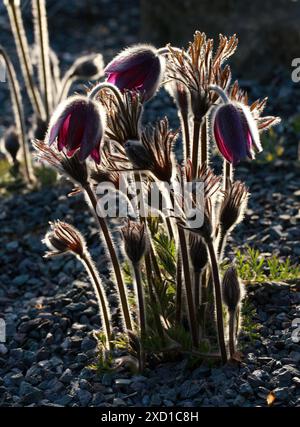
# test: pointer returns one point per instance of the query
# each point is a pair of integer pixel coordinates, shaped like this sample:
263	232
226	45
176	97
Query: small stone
84	397
107	380
246	389
66	376
281	393
88	344
3	349
20	280
121	382
296	381
64	401
239	401
118	402
189	389
12	246
258	378
155	400
42	354
295	356
29	393
285	374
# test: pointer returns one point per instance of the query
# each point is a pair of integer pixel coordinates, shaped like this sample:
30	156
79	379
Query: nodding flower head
77	126
138	68
62	238
235	131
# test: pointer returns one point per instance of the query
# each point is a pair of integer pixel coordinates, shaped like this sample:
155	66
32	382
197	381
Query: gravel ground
49	306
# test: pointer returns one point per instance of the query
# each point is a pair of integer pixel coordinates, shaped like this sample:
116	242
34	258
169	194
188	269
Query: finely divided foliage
98	138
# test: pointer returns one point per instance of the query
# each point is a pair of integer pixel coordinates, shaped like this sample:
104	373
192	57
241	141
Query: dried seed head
69	166
138	155
63	238
11	142
158	143
231	289
123	118
233	206
198	252
256	108
136	241
206	229
180	94
199	67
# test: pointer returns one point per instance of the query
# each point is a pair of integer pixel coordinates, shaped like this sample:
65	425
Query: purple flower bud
137	68
77	125
235	132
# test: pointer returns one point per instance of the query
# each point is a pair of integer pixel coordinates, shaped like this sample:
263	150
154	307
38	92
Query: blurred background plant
43	82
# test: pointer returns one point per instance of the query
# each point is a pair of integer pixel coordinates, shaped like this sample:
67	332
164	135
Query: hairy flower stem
114	259
138	180
196	138
218	298
203	302
188	285
197	290
140	298
65	85
227	174
16	21
232	334
42	40
108	86
155	303
93	273
221	244
186	134
203	151
18	115
178	290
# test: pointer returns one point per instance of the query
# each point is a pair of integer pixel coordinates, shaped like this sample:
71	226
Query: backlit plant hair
175	263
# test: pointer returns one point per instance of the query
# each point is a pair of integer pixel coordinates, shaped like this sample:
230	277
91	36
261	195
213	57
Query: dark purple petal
232	133
95	154
130	58
77	126
81	130
62	133
139	69
93	133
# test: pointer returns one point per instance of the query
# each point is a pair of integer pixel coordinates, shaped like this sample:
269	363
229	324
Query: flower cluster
96	138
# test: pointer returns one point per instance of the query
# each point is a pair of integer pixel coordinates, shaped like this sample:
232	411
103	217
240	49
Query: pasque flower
235	130
77	126
138	68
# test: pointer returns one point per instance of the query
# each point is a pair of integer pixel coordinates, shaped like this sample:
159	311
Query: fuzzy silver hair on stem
64	238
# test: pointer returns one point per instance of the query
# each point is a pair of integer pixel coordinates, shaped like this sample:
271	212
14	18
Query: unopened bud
89	67
198	252
63	238
11	142
233	206
136	241
138	155
231	289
